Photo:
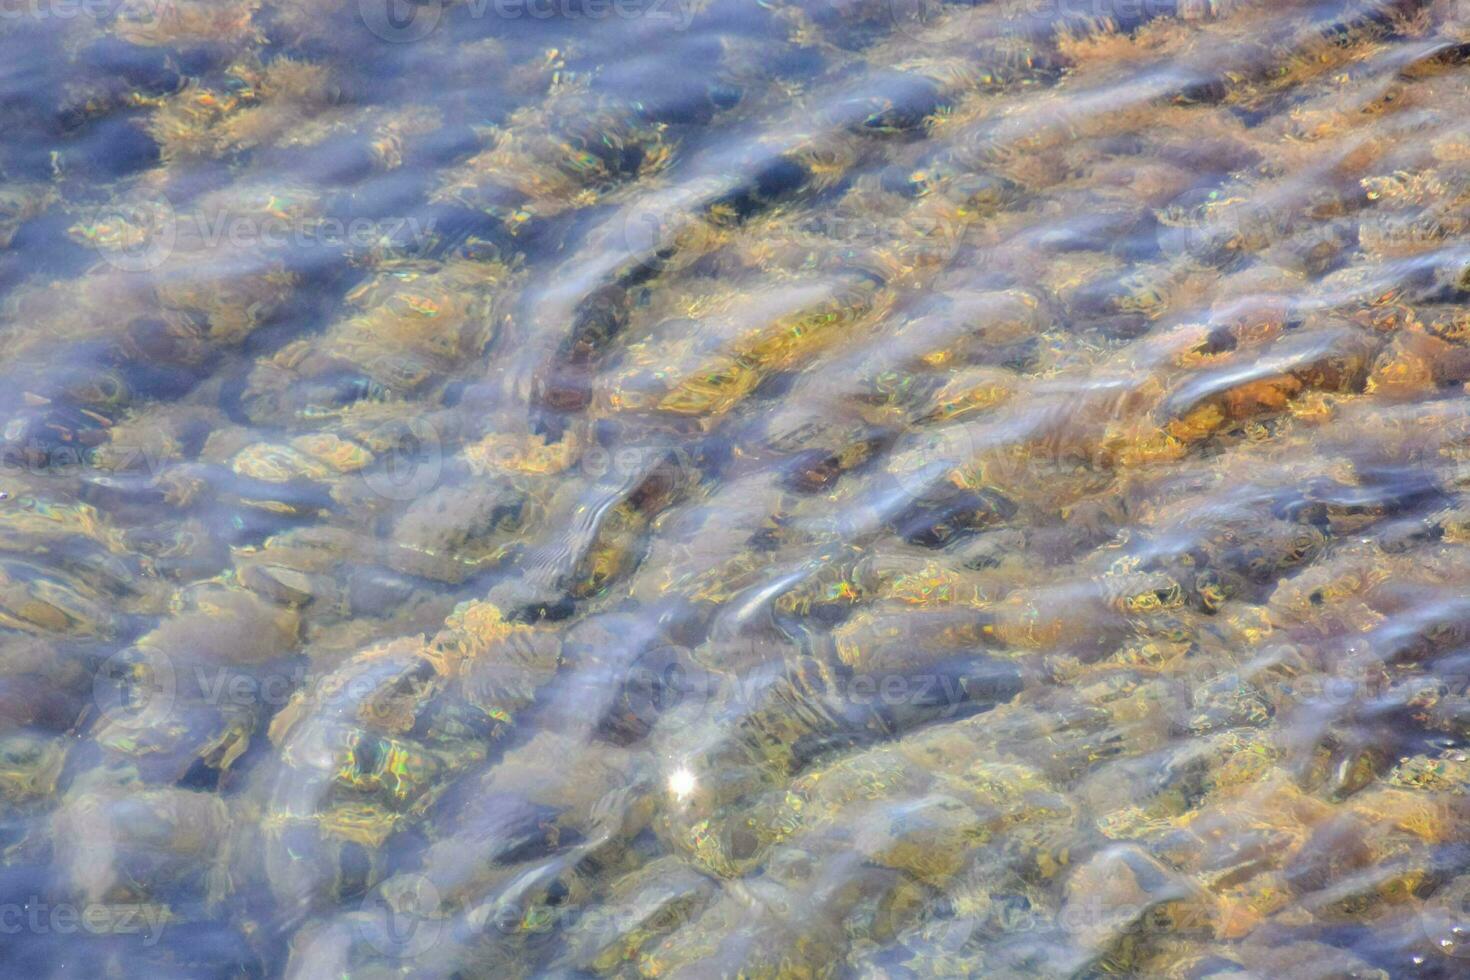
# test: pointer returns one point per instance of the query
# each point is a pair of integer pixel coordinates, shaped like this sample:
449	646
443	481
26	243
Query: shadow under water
706	488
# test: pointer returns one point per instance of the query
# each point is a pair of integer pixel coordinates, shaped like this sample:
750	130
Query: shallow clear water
712	488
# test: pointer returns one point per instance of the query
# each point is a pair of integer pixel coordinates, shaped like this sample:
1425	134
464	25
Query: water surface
706	488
